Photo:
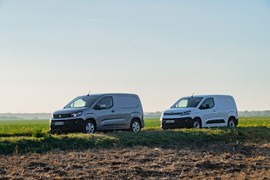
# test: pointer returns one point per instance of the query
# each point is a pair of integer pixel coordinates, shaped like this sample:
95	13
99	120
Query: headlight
76	114
186	113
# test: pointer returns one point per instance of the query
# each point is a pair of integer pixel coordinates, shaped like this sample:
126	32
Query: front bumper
170	123
70	125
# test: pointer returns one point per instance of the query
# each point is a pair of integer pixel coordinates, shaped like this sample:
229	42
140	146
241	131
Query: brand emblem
60	116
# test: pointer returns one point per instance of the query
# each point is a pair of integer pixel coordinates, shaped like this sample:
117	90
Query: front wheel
90	127
135	126
54	132
197	123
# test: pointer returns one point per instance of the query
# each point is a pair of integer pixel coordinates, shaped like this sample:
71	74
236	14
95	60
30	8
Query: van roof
210	95
103	94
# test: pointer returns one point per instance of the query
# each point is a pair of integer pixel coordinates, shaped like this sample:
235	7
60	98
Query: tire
55	132
164	129
135	126
197	124
231	123
90	127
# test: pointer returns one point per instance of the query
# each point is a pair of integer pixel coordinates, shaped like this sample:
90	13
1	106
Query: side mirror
97	107
102	106
204	106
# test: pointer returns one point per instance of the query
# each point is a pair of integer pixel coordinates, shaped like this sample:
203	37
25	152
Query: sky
55	50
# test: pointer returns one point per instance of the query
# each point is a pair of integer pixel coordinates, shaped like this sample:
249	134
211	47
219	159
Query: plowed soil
230	161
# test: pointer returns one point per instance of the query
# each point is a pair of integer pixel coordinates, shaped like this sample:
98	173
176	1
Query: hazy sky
52	51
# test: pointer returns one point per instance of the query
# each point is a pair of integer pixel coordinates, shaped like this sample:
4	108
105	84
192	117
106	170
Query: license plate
59	123
170	121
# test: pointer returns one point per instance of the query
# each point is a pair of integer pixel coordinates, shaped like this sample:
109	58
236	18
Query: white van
201	111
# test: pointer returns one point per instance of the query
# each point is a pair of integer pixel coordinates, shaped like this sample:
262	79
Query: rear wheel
135	126
231	123
197	123
90	127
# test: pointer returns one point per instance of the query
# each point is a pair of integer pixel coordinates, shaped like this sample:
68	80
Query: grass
254	122
23	127
32	136
120	139
151	124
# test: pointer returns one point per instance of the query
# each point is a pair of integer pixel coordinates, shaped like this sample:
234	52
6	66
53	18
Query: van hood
177	111
69	110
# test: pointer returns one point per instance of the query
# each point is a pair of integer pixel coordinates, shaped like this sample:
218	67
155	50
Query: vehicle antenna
192	95
89	93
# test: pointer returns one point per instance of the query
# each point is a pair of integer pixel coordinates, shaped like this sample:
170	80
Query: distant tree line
16	116
147	115
254	113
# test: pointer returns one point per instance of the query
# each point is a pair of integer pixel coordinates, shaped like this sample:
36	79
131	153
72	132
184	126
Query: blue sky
52	51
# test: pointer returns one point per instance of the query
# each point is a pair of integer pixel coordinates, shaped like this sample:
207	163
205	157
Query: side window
208	103
104	103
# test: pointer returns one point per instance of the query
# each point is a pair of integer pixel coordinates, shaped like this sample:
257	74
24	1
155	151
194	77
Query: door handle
214	110
113	111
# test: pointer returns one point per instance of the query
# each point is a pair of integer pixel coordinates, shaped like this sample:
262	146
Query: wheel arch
93	120
234	119
136	118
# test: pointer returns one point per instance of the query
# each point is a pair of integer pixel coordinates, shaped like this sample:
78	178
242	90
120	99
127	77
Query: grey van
99	112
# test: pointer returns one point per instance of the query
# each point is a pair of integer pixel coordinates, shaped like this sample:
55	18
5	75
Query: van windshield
187	102
82	101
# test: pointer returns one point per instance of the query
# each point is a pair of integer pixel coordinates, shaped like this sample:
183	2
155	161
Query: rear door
127	109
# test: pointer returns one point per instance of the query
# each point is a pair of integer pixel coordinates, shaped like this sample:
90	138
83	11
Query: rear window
127	101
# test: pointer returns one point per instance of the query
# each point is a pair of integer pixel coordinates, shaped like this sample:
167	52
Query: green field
33	136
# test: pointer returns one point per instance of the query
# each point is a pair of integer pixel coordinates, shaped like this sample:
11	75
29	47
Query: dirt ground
231	161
